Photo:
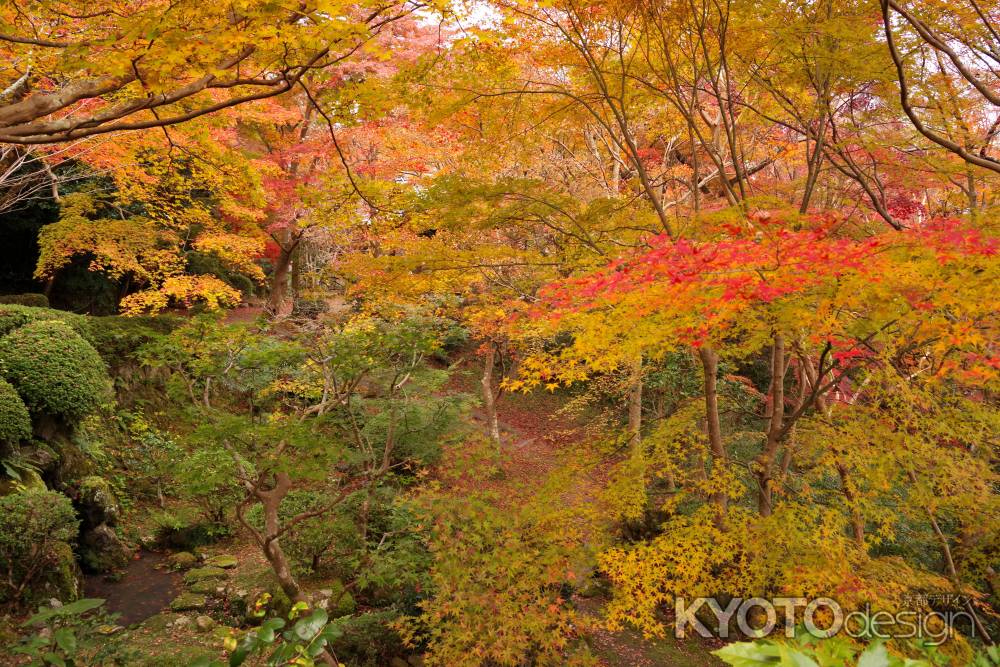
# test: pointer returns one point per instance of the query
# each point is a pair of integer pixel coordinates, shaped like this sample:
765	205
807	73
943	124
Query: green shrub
15	316
55	371
36	528
310	540
117	338
30	299
15	423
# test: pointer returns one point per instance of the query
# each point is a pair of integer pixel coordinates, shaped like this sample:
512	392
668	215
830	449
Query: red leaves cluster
741	269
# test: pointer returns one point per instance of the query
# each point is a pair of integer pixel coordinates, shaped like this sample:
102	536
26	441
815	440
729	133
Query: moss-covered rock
339	601
54	370
204	623
189	602
36	531
15	422
207	586
203	573
97	501
101	550
225	561
182	560
28	480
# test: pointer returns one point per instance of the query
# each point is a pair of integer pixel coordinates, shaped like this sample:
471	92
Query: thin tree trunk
635	404
720	460
764	465
489	400
279	281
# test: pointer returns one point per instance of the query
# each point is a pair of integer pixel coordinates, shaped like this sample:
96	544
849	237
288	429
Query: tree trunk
764	464
720	460
489	400
635	405
271	502
279	282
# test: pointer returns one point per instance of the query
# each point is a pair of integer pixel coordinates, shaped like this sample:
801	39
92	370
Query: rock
416	661
221	633
101	550
159	622
202	573
398	662
207	587
594	587
224	561
97	502
204	623
60	579
188	602
340	601
181	622
182	560
30	481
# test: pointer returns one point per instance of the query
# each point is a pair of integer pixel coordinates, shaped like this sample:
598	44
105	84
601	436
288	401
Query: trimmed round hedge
14	316
30	299
54	369
15	423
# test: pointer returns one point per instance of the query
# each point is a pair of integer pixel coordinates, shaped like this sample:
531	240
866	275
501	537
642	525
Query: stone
182	560
416	660
225	561
30	481
340	602
398	662
189	602
202	573
101	550
221	633
207	587
97	501
204	623
182	622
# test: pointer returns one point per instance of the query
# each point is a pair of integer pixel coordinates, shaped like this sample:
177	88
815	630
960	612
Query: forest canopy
500	332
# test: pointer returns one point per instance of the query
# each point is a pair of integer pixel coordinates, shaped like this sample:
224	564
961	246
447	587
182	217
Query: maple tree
573	308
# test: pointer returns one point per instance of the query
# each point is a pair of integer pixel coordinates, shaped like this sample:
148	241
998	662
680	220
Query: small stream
142	592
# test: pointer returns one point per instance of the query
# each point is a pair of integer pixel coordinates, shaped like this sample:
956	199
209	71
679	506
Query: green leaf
874	656
309	627
749	654
53	659
81	606
791	657
65	639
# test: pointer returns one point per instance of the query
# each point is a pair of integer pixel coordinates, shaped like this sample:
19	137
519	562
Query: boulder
204	623
30	481
207	587
202	573
225	561
101	550
97	501
340	602
182	560
188	602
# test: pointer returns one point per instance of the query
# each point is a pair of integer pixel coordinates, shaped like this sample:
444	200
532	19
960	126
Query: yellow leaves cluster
237	252
185	291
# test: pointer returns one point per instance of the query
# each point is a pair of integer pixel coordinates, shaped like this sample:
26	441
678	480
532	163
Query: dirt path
536	441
